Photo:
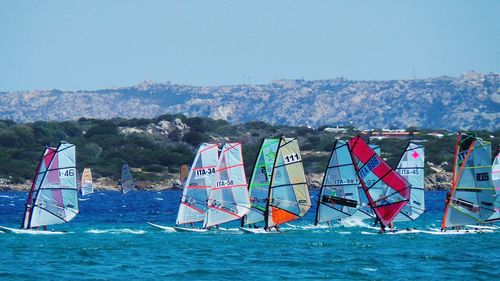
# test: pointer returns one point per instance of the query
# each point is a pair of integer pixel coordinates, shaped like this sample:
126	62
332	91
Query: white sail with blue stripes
228	198
411	167
53	198
338	197
194	198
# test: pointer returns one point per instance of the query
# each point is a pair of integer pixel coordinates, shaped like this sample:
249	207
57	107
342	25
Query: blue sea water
110	240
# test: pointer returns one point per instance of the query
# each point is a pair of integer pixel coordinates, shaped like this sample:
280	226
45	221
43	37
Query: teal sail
258	187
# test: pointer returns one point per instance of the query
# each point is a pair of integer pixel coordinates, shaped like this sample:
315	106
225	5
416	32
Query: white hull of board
257	231
30	231
186	229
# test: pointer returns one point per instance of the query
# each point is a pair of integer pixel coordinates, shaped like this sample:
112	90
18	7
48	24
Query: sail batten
228	197
338	197
197	184
472	195
288	193
411	167
53	197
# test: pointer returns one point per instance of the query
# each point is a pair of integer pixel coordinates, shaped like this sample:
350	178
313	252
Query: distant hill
471	101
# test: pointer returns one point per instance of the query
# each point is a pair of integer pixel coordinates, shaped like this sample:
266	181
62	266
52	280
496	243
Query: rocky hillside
471	101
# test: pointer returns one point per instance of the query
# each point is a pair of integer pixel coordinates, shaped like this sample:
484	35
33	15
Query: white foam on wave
158	198
344	232
6	196
116	231
353	222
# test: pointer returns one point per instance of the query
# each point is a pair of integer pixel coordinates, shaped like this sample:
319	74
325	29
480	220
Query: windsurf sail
258	187
371	169
338	197
470	200
184	171
228	198
194	198
288	194
411	167
495	175
364	210
53	197
87	186
126	181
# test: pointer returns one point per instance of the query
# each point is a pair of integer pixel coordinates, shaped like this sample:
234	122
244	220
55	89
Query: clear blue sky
96	44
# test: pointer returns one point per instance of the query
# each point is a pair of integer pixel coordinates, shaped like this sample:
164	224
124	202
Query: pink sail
373	169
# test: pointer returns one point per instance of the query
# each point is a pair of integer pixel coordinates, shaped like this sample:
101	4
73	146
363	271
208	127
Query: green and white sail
126	181
411	167
197	185
288	193
472	193
53	198
495	175
258	187
228	197
338	197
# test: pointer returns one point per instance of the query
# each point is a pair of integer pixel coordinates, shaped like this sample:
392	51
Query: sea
111	240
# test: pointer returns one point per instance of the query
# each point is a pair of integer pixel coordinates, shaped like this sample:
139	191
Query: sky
76	45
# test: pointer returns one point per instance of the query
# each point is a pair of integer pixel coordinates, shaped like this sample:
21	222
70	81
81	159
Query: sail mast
316	219
269	192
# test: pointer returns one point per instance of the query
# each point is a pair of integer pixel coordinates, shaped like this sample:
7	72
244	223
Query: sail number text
67	172
203	172
223	183
370	165
408	172
292	158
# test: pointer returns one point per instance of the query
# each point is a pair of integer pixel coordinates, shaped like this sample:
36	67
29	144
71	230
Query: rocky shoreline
437	181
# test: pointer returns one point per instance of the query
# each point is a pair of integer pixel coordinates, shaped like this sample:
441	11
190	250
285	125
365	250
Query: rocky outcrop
469	101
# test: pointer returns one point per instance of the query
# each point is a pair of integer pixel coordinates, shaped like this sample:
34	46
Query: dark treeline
102	146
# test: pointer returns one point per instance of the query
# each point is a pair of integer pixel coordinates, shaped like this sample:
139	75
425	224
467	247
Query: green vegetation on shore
156	152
